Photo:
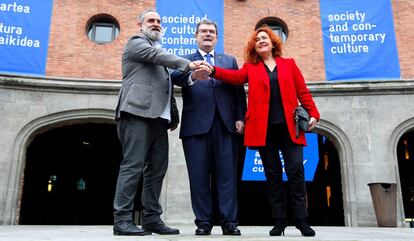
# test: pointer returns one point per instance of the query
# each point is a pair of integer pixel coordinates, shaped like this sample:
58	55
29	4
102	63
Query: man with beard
142	116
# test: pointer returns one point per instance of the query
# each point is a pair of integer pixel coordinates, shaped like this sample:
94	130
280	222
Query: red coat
292	89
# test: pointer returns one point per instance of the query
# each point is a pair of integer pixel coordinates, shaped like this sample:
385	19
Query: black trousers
145	153
278	138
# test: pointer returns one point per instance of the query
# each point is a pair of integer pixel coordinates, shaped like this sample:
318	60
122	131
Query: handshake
201	70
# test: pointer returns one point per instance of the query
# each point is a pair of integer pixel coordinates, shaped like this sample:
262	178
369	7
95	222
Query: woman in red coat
276	86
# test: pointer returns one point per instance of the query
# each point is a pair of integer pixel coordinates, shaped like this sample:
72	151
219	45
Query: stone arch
399	131
343	146
24	138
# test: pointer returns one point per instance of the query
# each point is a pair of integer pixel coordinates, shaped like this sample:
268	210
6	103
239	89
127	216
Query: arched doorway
325	197
405	155
70	175
324	192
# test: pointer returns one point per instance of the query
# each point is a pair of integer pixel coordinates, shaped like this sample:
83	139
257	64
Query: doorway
324	193
405	154
70	176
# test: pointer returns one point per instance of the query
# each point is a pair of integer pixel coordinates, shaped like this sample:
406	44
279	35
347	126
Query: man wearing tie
212	118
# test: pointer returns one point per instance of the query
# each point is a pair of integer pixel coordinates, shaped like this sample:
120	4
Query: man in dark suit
212	117
143	116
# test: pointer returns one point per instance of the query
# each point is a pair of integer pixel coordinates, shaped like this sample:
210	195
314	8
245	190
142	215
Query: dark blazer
202	98
292	89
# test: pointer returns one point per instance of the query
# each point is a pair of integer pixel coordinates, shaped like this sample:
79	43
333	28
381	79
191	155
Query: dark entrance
70	175
324	193
405	152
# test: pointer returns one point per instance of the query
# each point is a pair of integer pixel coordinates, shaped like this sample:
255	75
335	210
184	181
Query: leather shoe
129	229
160	228
203	229
231	229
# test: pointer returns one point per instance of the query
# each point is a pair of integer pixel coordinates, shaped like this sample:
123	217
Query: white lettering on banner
181	51
347	16
182	19
257	161
14	7
180	34
358	41
10	29
257	169
13	36
17	41
178	40
258	164
185	29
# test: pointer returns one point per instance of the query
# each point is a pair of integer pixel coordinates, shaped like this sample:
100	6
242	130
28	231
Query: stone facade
364	120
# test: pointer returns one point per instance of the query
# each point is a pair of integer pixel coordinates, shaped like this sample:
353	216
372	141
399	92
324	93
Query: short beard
153	35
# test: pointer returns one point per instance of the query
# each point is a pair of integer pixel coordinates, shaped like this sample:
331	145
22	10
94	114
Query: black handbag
301	119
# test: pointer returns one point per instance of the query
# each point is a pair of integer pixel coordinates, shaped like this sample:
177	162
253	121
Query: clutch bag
301	119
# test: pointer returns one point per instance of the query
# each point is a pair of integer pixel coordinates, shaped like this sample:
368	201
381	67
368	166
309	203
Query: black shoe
278	229
231	229
160	228
129	229
203	229
305	229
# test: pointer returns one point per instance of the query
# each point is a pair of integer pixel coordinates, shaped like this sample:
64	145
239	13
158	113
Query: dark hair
250	55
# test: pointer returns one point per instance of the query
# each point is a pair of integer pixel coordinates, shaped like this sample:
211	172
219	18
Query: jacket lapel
263	76
196	56
281	71
218	60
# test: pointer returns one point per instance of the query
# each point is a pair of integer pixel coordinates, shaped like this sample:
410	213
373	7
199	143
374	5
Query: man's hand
202	73
198	64
239	127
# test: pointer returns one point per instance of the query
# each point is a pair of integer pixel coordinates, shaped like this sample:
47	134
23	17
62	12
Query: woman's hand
312	123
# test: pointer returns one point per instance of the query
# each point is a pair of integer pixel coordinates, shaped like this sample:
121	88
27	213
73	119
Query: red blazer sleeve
236	77
302	92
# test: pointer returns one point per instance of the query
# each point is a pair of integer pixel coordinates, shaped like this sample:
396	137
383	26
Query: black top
276	113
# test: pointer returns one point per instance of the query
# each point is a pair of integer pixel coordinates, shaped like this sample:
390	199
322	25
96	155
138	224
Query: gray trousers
145	152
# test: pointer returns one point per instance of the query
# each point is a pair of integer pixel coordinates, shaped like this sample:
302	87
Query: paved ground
104	233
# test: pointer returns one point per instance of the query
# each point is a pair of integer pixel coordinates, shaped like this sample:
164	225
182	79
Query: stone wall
364	120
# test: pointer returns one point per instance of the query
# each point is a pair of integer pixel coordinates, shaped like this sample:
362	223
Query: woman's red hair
250	55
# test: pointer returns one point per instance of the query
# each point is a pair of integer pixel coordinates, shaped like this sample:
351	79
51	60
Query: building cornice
361	87
110	87
60	84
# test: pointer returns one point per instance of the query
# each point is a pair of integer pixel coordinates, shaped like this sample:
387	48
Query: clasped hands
201	70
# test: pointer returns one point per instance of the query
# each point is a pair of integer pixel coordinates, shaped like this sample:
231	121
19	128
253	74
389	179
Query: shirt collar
204	53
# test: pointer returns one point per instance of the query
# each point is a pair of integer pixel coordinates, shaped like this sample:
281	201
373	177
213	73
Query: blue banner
180	18
359	40
24	35
253	166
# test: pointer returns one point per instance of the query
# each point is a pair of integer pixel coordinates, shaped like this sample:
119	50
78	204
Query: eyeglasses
205	31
